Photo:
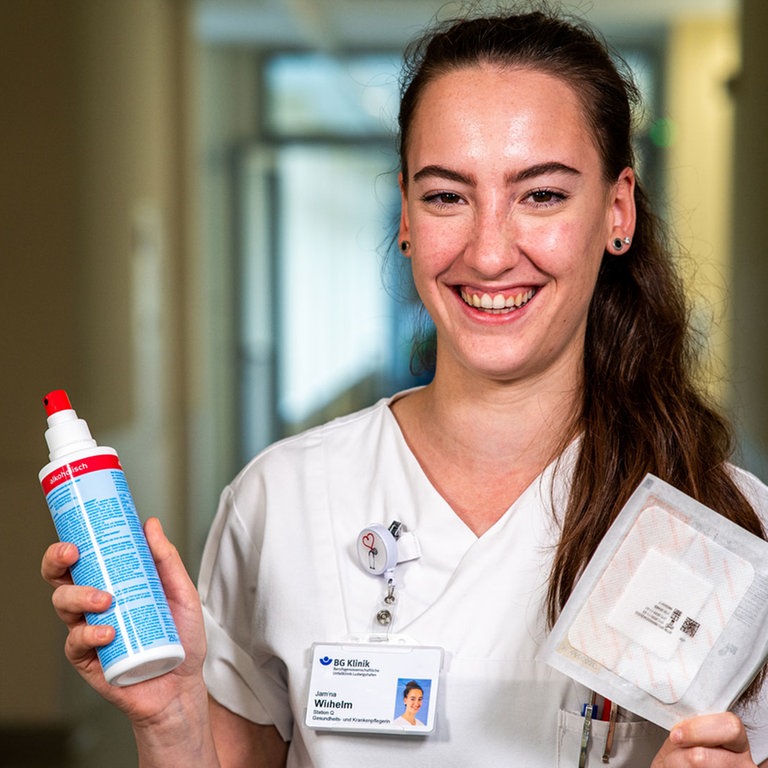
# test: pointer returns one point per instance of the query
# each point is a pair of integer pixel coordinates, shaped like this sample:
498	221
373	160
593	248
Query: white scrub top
280	572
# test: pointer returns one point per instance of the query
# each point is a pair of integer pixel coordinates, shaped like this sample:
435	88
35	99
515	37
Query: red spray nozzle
56	401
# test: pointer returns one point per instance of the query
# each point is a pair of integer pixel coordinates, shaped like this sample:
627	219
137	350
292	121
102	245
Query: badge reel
377	682
377	552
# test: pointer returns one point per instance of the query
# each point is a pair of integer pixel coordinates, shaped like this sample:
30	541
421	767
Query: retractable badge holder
377	550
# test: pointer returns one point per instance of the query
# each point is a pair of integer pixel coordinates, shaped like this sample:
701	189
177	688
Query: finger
57	561
72	602
181	592
723	729
82	642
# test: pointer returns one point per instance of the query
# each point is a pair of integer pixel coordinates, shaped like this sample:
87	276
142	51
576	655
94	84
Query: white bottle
92	508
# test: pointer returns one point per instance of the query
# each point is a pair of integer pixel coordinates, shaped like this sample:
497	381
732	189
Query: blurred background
197	205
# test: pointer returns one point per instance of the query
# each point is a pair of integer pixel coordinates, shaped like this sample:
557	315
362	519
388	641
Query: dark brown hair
411	686
641	409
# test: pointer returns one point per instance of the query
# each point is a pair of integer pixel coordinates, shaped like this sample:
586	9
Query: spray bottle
92	508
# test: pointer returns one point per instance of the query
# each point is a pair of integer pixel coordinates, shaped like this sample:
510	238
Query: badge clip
377	551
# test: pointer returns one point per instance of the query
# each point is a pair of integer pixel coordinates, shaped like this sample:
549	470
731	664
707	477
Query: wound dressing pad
664	620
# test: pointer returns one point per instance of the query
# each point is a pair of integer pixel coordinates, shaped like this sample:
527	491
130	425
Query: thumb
170	567
661	755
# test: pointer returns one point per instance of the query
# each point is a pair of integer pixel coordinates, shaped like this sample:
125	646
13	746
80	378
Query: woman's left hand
715	741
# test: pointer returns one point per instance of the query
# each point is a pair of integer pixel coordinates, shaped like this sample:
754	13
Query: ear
622	213
404	232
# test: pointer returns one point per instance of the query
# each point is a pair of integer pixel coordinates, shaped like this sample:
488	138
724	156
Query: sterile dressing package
670	617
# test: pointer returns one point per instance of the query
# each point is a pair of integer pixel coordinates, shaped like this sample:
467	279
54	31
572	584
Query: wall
40	279
228	88
717	96
95	157
702	59
749	208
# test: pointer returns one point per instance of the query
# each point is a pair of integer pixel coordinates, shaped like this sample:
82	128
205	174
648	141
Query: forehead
487	108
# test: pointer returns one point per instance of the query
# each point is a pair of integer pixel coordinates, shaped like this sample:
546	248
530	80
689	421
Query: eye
545	197
442	199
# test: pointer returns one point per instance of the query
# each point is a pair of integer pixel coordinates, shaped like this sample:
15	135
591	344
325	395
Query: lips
496	303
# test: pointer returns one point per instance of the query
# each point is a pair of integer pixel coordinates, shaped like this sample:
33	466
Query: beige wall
702	59
750	242
40	283
717	80
94	150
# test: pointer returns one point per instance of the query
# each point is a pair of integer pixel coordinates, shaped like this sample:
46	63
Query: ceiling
338	24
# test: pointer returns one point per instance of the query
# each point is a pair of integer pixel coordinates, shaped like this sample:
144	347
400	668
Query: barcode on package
690	627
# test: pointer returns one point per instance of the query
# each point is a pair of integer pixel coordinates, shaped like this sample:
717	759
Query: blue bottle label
92	507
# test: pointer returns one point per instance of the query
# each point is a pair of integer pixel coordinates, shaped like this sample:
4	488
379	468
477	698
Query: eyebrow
540	169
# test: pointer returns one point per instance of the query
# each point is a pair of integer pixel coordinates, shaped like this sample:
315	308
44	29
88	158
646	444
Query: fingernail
99	598
66	548
103	633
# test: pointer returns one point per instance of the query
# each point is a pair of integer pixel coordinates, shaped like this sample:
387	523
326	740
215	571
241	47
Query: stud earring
619	243
405	246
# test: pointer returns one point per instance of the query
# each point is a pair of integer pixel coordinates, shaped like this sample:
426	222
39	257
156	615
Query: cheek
568	248
433	252
551	245
422	277
441	235
424	280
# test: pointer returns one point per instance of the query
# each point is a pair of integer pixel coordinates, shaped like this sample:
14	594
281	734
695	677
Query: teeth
497	304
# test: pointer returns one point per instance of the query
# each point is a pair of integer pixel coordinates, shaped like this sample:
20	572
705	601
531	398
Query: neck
499	422
482	442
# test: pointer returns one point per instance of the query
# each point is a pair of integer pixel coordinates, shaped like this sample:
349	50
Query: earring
405	246
619	243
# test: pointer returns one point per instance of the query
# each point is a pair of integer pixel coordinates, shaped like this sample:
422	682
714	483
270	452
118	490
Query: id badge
374	688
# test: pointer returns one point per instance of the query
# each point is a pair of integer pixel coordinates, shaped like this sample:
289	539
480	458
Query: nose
492	247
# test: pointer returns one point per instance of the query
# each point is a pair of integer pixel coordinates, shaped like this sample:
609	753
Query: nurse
563	374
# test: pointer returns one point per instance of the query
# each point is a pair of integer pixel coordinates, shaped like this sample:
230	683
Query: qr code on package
690	627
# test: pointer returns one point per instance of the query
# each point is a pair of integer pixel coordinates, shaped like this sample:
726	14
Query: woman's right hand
153	704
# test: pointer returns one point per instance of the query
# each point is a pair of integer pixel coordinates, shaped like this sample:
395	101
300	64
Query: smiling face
413	700
508	216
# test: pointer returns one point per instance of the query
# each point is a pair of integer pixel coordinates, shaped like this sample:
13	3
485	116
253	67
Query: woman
562	376
413	697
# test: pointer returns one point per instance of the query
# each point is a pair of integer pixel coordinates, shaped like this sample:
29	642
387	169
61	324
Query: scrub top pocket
635	742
